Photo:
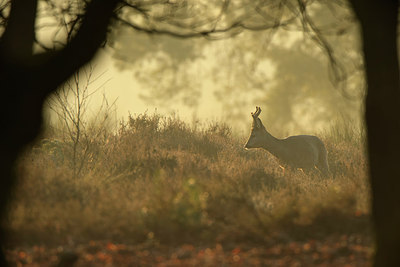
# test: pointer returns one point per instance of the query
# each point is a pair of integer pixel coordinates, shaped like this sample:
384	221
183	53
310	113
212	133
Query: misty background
282	70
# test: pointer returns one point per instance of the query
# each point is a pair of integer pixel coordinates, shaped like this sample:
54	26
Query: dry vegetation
160	182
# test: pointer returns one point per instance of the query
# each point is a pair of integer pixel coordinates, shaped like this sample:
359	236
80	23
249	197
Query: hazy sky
122	86
242	71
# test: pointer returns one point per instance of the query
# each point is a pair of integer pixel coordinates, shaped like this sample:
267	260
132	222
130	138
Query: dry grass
160	180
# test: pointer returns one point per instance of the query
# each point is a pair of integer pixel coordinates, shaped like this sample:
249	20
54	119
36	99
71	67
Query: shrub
159	179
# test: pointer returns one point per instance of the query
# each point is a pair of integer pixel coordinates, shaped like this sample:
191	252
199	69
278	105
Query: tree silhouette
27	79
379	38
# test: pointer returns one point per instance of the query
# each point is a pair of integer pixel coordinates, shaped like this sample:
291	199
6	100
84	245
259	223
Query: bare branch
339	74
83	46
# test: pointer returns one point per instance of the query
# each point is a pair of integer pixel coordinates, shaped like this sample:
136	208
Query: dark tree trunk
27	79
379	38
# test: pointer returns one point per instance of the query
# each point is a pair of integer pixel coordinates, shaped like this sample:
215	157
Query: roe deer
301	151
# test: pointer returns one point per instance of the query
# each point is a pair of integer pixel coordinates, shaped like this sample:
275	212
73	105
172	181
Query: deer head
257	131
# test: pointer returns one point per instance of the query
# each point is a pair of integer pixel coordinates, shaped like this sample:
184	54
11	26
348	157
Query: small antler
255	114
255	117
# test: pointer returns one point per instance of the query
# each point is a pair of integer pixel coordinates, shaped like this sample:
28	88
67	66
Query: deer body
300	151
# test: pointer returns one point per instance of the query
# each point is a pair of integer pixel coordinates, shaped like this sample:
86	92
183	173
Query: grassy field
160	182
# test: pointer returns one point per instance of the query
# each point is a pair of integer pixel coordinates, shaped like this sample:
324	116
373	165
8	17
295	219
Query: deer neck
273	144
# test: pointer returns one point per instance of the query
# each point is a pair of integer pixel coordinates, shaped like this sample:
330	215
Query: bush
158	179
